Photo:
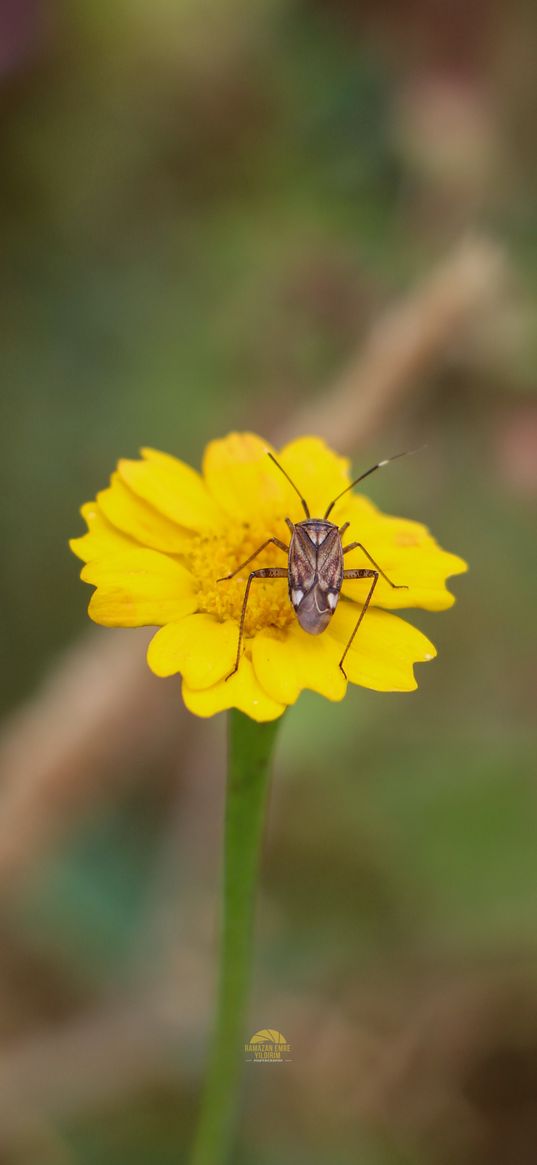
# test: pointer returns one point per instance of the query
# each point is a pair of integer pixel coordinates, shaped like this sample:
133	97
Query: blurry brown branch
101	708
98	710
403	345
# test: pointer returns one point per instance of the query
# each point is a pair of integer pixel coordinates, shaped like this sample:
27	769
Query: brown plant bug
315	571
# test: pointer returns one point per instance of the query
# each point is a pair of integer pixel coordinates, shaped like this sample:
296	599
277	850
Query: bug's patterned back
315	573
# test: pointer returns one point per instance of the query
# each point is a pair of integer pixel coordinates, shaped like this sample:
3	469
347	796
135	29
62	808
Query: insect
315	568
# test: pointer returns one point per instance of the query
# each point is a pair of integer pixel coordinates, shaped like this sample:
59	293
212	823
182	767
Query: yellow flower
162	535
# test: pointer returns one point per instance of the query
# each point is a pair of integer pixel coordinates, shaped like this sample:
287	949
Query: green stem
250	751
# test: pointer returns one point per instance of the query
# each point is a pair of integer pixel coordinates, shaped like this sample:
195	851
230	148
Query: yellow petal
139	588
135	517
407	553
244	481
173	488
199	647
242	691
102	538
287	662
384	649
318	473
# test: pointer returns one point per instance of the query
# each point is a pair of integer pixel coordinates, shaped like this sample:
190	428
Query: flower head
162	540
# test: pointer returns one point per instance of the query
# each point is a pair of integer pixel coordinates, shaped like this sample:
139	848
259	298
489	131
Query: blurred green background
204	208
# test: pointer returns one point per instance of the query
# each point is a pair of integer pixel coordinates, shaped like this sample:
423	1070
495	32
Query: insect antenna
379	465
291	482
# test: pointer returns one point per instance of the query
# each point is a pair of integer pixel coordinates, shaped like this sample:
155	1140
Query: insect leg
359	546
347	574
263	572
275	541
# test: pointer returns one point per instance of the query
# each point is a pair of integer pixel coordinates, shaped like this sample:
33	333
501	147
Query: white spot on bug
332	600
296	598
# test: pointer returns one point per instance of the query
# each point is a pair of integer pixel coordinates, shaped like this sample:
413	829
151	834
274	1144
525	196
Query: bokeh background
206	212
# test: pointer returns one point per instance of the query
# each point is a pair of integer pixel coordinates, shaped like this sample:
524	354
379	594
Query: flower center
213	556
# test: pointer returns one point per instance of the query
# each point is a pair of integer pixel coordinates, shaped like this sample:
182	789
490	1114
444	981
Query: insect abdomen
315	609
